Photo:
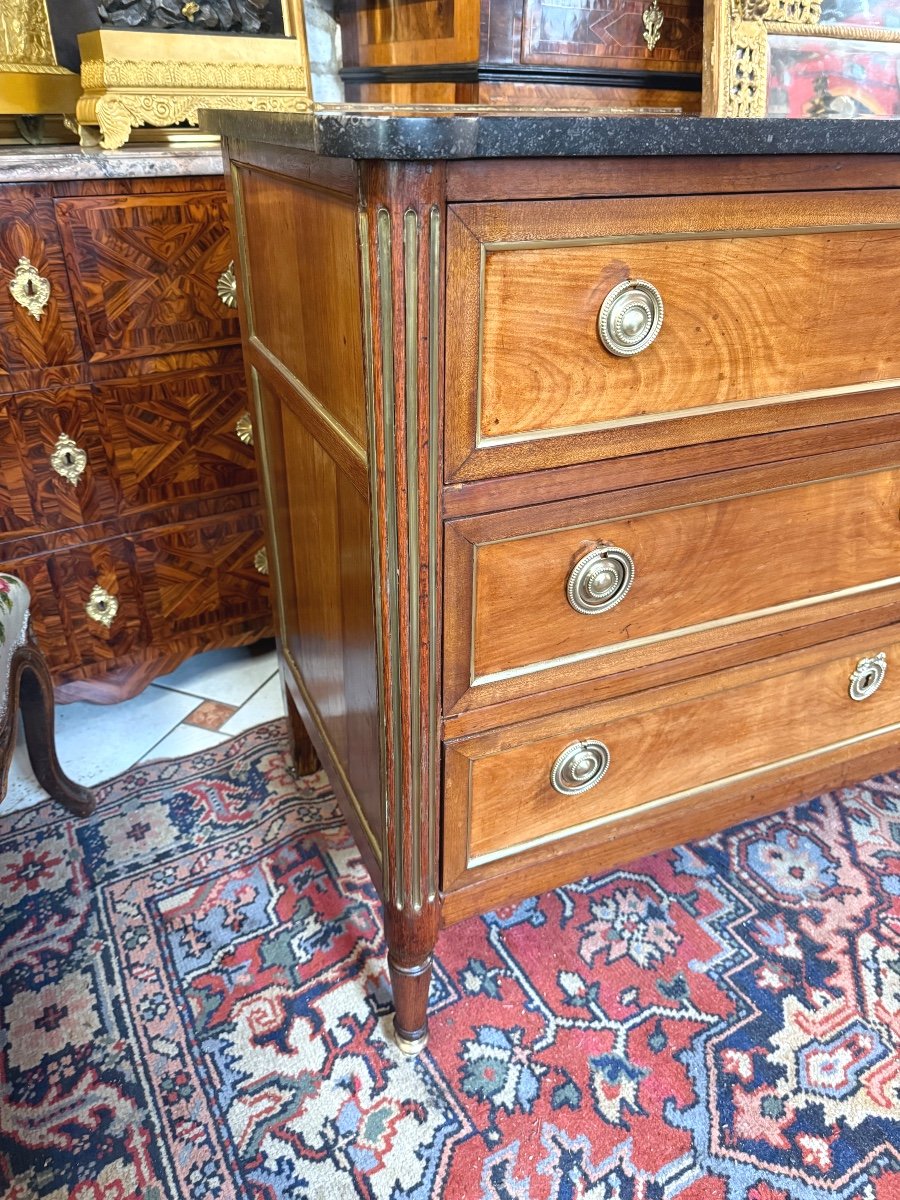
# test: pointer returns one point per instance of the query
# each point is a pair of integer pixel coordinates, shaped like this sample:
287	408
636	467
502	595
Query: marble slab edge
49	164
448	134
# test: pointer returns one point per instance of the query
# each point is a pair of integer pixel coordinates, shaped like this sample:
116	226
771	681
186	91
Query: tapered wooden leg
303	753
411	943
36	703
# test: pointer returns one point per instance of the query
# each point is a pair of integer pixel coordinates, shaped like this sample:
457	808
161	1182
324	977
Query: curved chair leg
36	703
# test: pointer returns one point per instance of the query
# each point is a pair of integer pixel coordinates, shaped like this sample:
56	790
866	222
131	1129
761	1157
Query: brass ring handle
68	459
102	606
580	767
226	286
30	289
243	427
868	676
600	580
630	318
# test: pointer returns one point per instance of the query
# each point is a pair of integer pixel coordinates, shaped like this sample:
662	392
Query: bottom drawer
522	791
98	604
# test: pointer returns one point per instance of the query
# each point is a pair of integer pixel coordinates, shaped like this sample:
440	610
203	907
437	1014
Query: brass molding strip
482	440
663	801
287	376
374	509
411	398
434	334
684	631
392	551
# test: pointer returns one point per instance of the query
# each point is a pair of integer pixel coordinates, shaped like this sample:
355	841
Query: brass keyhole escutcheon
868	676
29	289
102	606
68	459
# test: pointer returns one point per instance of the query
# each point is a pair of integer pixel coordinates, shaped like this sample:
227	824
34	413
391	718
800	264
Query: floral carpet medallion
195	1007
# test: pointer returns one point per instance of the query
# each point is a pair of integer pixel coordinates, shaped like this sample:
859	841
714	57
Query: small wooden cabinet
122	473
538	53
583	490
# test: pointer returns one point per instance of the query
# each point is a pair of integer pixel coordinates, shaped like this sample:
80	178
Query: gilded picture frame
801	58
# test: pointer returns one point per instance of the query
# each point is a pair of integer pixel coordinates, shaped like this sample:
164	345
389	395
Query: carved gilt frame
736	51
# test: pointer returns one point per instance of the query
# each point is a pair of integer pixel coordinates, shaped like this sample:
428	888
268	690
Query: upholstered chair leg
36	704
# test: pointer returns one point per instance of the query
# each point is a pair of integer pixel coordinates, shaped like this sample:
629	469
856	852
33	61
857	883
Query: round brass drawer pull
102	606
867	677
68	459
630	318
600	580
261	560
579	768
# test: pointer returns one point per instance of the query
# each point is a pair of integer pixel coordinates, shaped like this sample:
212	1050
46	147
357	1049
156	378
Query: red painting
828	77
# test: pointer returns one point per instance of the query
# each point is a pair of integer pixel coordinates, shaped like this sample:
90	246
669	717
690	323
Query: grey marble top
431	132
42	164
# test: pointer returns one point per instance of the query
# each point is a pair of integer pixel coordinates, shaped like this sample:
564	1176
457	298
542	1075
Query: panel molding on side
530	386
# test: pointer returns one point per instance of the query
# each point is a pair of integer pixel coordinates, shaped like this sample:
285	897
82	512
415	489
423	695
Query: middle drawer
556	594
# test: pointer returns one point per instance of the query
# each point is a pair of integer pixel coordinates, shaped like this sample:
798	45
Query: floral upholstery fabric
14	601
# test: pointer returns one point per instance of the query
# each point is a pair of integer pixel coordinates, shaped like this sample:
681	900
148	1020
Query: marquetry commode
581	443
129	493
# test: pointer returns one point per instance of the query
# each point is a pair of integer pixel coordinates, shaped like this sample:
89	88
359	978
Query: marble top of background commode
42	164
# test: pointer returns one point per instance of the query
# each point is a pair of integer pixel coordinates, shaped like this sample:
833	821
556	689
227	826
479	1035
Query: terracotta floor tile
211	714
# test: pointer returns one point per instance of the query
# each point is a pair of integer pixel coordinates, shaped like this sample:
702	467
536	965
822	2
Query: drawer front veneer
501	800
145	271
764	311
541	600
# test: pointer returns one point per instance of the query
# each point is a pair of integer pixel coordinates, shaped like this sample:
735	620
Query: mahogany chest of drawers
583	483
130	504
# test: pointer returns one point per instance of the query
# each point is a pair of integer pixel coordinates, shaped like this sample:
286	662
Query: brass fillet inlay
434	327
374	509
287	376
392	581
487	440
648	806
411	390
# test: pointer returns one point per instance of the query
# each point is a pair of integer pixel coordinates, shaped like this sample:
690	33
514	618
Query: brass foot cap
410	1046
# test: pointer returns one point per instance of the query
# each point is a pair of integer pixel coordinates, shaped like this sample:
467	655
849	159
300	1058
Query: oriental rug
195	1007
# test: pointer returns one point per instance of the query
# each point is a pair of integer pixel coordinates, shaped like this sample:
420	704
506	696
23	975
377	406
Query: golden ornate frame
736	54
31	81
133	78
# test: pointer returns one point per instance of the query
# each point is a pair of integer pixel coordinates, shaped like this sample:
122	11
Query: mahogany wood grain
660	751
297	315
507	179
535	95
634	836
537	487
726	508
144	269
738	558
520	374
424	31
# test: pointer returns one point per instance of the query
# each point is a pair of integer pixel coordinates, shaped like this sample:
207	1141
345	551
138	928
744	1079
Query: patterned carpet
194	1006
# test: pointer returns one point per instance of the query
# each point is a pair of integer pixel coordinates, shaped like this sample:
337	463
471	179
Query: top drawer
771	319
145	272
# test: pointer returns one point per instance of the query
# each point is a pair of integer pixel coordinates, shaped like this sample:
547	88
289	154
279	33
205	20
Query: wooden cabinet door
145	269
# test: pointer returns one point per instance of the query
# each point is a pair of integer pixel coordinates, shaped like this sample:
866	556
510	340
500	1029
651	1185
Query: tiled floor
209	698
